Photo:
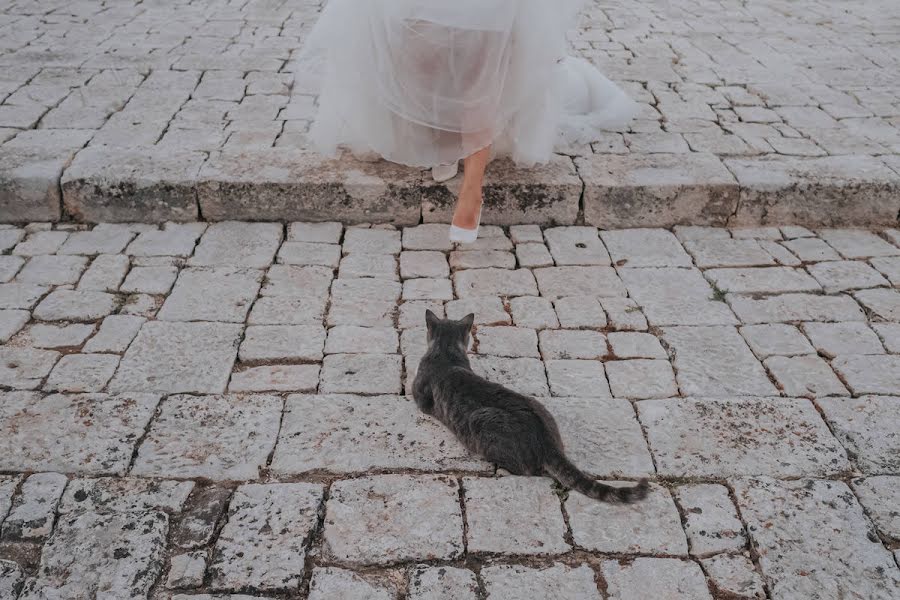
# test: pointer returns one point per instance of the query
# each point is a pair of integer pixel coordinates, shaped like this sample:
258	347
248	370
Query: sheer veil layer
428	82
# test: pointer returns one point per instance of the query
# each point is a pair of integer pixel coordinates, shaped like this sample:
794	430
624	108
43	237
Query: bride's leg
471	192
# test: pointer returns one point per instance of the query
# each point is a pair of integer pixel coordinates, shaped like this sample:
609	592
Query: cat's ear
468	321
431	320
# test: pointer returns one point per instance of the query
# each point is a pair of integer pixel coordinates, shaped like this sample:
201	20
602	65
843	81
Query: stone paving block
482	259
282	343
384	519
331	582
263	545
348	339
219	438
805	376
579	246
869	374
412	314
9	266
149	280
641	379
635	345
890	335
71	305
524	375
867	426
529	311
622	528
361	374
82	373
787	308
524	234
658	190
10	238
319	233
371	241
105	273
508	341
645	248
217	294
494	282
624	314
52	270
41	242
835	339
89	554
363	302
763	280
92	243
304	253
577	378
655	578
781	254
676	297
580	311
734	574
783	437
490	237
276	378
832	190
42	335
882	303
427	289
488	310
21	295
174	239
353	434
25	368
510	582
11	579
427	263
889	267
533	255
880	496
289	280
565	344
31	179
560	282
841	276
711	521
179	358
115	334
186	570
305	310
513	515
858	243
812	250
601	436
236	244
85	433
122	495
813	540
430	236
8	485
33	514
715	361
728	253
11	322
442	583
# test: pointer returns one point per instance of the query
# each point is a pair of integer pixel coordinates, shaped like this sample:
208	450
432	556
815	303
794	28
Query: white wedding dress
429	82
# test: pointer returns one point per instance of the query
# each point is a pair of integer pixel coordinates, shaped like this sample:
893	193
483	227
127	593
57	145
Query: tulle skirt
429	82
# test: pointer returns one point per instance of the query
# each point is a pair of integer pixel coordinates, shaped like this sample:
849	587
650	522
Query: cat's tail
570	476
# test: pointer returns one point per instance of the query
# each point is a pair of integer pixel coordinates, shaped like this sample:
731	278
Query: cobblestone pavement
196	410
777	111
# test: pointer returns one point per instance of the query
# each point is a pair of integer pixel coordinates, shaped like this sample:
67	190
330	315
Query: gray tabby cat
511	430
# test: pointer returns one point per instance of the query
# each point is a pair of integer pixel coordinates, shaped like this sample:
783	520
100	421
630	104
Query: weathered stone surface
857	243
671	296
304	253
837	339
105	273
508	341
868	427
8	485
763	280
427	289
580	311
87	433
174	239
41	335
380	266
30	183
621	528
577	378
11	322
579	246
715	361
20	295
635	345
124	495
115	334
427	237
509	582
371	241
805	376
527	311
426	263
841	276
533	255
220	437
726	437
525	375
347	339
41	242
568	344
25	368
734	574
11	579
321	233
104	183
890	335
390	518
659	190
882	303
179	357
186	570
549	193
234	244
641	379
361	374
645	248
217	294
442	583
9	266
813	540
71	305
33	514
513	515
351	434
82	373
115	554
560	282
295	185
880	496
263	545
52	270
624	314
833	190
812	250
711	523
869	374
889	267
149	280
494	282
282	343
331	582
794	307
98	241
655	578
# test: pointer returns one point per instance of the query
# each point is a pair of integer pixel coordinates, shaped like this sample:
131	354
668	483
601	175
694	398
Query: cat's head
447	333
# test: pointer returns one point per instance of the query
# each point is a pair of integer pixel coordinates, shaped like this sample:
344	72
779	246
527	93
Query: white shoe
466	236
444	173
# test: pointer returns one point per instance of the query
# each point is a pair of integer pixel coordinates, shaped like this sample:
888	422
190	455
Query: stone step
53	182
